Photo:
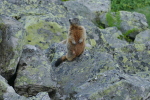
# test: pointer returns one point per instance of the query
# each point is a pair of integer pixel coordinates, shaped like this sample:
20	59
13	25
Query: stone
34	73
15	96
80	9
142	37
12	34
97	6
111	35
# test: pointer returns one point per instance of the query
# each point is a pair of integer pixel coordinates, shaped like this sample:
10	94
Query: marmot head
74	21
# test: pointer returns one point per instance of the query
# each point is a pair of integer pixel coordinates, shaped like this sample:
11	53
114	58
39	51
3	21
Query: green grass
117	5
113	19
126	35
141	6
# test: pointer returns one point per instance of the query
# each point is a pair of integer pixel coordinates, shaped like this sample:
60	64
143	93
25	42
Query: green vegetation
126	35
113	19
141	6
128	4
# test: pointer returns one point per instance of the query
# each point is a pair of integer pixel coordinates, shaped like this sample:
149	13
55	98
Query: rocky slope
109	69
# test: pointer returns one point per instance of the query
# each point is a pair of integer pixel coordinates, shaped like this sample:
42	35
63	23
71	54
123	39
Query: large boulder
97	6
113	86
34	73
8	93
12	36
104	76
80	9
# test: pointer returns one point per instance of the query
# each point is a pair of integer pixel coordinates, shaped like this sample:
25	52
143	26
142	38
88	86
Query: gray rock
0	36
80	9
87	65
8	93
109	69
15	96
11	45
142	37
34	74
97	6
4	87
113	86
129	21
18	2
111	35
134	59
97	75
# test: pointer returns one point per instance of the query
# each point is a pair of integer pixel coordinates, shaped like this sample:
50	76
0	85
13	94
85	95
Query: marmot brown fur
75	41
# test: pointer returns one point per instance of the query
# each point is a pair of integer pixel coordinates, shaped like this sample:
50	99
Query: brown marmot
75	41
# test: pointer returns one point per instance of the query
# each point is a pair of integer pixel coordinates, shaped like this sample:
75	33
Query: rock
129	21
102	76
18	2
109	68
133	59
111	35
4	87
97	6
113	86
80	9
49	24
87	65
34	73
142	37
14	96
12	35
8	93
0	36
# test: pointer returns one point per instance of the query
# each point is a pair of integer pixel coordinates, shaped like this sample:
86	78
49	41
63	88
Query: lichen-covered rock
80	9
129	21
47	24
103	75
134	59
97	6
87	65
8	93
14	96
142	37
113	86
34	73
18	2
111	35
4	87
12	34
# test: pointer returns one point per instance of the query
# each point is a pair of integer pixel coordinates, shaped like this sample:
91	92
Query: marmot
75	41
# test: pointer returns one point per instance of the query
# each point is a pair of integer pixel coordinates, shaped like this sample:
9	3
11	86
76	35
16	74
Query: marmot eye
70	20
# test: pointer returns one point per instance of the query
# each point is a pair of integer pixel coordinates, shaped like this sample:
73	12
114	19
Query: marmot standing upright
75	41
